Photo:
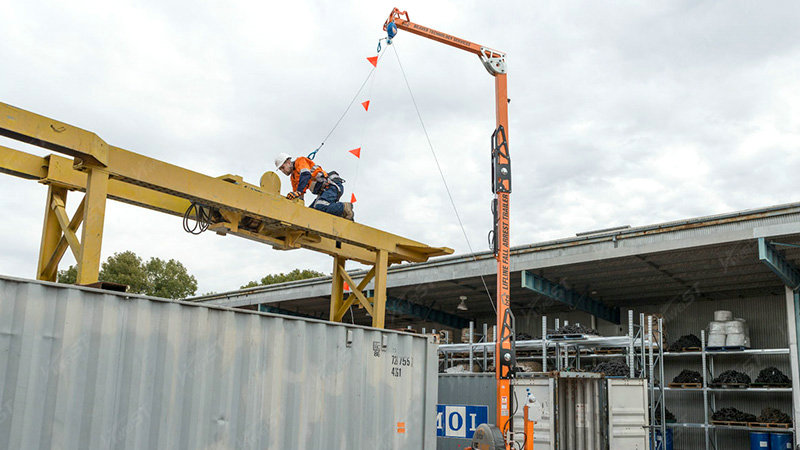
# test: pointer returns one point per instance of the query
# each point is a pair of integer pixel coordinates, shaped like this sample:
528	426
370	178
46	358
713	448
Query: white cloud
620	113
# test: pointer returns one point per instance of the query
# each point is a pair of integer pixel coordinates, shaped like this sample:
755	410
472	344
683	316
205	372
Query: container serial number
403	361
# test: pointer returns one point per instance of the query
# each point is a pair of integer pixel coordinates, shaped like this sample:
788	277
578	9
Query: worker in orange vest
306	175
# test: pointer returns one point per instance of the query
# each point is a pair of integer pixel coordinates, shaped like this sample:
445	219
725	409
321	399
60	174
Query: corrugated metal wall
466	389
85	369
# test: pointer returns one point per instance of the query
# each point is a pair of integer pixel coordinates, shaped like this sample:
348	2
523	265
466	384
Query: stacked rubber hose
732	415
732	377
687	341
616	368
772	415
771	375
667	413
574	329
688	376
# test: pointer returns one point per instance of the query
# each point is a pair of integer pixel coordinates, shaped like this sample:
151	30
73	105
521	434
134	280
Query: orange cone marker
352	198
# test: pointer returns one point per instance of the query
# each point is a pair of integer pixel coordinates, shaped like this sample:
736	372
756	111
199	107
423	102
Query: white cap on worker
280	159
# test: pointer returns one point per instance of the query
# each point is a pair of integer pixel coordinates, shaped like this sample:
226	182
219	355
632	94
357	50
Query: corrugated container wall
88	369
475	389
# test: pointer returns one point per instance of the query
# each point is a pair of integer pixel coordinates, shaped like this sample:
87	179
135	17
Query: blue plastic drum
780	441
759	441
663	444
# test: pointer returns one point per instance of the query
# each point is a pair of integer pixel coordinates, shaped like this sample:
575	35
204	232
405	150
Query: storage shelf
749	351
729	427
536	344
752	389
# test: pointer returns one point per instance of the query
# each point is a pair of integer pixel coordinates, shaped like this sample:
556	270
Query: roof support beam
555	291
785	270
405	307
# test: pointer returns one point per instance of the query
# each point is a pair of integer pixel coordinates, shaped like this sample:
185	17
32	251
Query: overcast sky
621	113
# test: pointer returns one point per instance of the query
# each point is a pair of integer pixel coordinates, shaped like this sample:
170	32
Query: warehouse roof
705	258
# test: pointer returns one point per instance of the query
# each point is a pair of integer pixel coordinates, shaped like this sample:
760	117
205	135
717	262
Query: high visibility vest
305	174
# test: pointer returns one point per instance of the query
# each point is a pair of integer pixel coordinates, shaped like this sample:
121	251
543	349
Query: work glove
293	195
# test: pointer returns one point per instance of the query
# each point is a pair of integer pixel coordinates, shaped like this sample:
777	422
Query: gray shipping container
474	389
83	368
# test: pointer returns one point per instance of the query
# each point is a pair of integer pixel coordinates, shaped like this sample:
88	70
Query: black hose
202	217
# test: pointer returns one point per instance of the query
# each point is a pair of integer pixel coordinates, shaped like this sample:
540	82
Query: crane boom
494	62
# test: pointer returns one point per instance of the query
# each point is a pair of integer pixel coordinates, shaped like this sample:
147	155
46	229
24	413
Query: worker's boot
347	213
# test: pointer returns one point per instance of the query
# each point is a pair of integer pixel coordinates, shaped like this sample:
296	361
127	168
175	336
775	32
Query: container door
628	414
542	390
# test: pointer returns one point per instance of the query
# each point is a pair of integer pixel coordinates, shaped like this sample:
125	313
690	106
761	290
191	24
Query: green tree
68	276
169	279
125	268
294	275
156	277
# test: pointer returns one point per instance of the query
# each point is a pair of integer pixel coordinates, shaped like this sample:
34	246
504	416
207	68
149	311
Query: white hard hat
280	159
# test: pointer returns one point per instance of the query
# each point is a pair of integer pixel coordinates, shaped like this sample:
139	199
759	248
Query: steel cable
441	173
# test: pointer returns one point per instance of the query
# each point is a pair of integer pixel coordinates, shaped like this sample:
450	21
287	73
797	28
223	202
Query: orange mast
494	62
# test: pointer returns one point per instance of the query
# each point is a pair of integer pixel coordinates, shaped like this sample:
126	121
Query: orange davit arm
494	62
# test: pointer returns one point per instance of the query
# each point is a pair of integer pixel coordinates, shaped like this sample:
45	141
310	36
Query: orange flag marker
373	60
356	152
365	105
346	287
352	198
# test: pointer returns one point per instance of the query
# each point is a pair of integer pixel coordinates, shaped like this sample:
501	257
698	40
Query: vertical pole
580	413
544	343
570	413
590	411
651	381
471	333
485	347
93	220
662	397
51	234
337	287
792	317
503	263
630	356
381	272
705	385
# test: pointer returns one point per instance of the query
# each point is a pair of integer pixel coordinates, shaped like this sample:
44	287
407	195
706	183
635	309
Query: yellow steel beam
381	274
58	171
94	214
352	297
47	133
357	292
50	269
153	174
21	164
51	235
59	209
337	286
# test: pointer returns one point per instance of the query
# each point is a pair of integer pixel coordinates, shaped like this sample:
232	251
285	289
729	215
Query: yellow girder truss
258	213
